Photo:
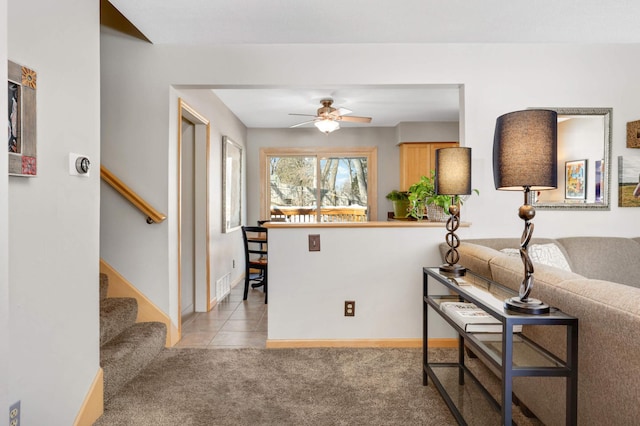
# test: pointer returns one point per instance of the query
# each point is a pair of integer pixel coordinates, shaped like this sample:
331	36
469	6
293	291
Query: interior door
188	211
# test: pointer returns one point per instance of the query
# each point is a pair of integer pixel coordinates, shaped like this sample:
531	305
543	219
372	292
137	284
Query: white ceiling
387	105
202	22
384	21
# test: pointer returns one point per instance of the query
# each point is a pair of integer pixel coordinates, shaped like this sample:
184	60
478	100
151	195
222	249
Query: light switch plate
314	242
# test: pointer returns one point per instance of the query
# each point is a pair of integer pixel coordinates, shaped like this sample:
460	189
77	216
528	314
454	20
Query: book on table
472	319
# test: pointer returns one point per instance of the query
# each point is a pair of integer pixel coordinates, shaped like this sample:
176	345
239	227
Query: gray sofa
603	291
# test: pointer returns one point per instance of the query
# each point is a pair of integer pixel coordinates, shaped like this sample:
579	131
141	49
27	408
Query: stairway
126	347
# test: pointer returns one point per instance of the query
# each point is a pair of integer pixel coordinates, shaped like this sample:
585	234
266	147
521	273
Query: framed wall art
629	182
231	185
22	85
575	186
633	134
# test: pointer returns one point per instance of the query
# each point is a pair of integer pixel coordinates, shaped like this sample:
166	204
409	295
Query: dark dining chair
256	260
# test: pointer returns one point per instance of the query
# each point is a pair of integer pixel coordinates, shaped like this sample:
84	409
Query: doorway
188	219
194	287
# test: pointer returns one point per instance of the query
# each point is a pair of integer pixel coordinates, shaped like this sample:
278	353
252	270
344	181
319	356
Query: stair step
124	356
116	315
104	285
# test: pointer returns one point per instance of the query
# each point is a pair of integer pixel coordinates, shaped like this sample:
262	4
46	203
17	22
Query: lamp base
455	270
531	306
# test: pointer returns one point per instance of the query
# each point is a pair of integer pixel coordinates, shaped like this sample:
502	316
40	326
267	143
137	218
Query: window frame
370	152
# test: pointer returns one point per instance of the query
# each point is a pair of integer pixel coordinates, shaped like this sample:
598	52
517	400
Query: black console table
507	354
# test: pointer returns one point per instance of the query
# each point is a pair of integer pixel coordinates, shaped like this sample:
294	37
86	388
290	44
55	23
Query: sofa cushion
514	243
545	254
605	258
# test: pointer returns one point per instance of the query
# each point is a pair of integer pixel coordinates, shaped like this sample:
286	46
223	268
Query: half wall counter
378	265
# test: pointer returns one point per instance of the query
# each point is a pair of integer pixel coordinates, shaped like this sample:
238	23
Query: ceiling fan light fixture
327	125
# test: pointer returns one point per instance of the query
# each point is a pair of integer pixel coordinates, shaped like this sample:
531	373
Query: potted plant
400	200
419	193
422	197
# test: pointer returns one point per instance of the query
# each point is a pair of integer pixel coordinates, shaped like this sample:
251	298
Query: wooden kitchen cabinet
418	159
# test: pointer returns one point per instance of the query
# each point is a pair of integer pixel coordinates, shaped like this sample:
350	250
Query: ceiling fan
327	118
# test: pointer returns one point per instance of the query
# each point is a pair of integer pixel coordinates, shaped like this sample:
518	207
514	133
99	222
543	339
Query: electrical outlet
349	308
14	414
233	263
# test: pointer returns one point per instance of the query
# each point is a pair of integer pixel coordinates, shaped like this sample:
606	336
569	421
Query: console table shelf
507	354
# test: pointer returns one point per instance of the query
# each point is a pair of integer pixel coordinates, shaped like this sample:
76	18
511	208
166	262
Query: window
319	184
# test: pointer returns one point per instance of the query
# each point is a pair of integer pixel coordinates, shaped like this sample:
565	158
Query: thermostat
79	165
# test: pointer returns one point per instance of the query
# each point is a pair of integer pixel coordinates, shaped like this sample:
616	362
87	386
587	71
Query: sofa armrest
608	362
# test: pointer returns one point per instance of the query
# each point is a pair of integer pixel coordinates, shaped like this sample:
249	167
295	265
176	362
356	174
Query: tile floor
232	323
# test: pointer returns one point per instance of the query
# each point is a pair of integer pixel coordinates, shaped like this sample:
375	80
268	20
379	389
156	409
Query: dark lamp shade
525	150
453	171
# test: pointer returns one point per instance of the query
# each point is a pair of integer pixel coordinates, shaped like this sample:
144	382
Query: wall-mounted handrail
153	216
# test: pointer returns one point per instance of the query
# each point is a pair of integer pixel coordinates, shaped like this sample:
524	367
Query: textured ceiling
206	22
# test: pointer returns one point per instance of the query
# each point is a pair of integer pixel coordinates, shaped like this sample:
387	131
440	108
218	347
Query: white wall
4	225
496	79
135	128
139	144
53	218
579	138
224	248
436	131
379	268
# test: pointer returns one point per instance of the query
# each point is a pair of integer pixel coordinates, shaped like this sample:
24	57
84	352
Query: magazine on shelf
472	319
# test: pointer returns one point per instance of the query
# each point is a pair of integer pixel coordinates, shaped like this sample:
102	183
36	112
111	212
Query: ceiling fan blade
355	119
327	112
302	124
339	112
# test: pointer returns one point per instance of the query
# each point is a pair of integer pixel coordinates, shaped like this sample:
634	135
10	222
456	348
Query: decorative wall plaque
22	86
633	134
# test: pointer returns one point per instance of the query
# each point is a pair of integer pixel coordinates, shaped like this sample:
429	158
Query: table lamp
525	148
453	178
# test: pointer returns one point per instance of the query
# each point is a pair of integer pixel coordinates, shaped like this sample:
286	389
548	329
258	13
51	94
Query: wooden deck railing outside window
327	214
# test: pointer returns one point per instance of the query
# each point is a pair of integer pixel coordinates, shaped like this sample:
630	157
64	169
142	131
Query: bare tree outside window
339	194
344	182
293	181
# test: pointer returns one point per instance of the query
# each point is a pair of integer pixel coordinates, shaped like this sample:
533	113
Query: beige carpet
283	387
